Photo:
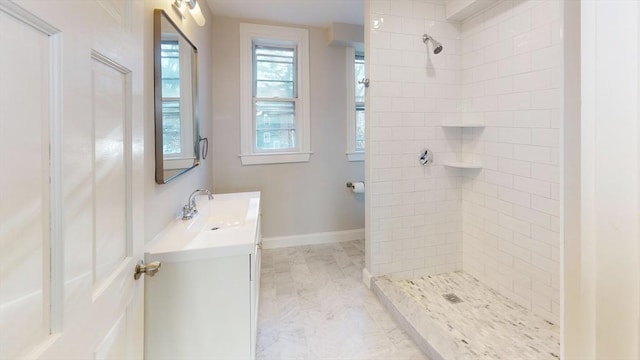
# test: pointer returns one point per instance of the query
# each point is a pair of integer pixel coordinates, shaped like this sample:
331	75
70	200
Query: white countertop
236	215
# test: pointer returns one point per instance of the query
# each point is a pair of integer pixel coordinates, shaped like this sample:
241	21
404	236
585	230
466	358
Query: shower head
437	47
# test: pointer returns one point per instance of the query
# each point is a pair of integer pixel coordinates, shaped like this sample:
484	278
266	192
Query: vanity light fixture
194	9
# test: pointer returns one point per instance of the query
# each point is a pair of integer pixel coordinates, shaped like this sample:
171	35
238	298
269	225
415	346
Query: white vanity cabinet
203	302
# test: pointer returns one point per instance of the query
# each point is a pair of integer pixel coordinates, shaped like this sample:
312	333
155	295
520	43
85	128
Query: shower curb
429	336
422	343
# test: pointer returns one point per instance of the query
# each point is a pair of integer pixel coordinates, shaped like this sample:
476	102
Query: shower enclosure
485	97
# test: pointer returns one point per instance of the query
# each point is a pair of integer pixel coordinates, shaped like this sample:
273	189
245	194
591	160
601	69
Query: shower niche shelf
463	165
465	125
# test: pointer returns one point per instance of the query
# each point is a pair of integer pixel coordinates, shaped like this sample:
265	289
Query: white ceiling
305	12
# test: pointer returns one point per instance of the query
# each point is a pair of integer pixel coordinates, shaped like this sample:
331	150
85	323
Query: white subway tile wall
416	225
502	67
510	238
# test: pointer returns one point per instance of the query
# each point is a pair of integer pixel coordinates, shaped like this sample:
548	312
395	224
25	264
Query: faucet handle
188	212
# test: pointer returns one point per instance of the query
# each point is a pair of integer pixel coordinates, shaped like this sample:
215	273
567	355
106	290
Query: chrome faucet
190	210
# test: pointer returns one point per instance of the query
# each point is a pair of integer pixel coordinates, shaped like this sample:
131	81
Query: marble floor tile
313	305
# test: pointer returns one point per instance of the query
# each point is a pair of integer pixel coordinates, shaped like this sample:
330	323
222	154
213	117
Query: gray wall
163	202
298	198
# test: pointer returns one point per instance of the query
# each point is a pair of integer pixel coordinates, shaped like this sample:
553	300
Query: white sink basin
223	213
224	226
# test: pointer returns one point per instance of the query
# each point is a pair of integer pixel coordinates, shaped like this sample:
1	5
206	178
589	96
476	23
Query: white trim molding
355	156
366	278
276	35
274	158
178	163
312	239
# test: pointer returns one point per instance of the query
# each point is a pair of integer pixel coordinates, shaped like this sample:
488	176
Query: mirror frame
158	16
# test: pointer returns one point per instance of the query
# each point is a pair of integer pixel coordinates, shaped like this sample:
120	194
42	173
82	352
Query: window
355	105
274	94
274	97
177	112
171	125
359	98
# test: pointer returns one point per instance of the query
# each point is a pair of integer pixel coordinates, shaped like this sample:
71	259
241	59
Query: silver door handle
150	269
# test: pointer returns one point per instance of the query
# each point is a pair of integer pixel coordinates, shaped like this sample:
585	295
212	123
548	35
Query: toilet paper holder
350	184
356	186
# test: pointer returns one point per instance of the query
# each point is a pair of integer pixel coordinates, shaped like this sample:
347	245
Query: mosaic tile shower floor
485	325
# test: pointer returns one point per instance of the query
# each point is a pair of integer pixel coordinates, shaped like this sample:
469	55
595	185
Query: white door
71	163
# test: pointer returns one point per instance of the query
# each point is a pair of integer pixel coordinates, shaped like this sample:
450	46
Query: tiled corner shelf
463	165
465	125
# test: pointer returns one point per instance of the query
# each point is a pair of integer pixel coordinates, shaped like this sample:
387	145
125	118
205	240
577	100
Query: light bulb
196	13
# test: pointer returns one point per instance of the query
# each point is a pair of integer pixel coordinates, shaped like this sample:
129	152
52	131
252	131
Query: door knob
150	269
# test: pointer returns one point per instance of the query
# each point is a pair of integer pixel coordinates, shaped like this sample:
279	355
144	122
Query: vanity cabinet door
199	310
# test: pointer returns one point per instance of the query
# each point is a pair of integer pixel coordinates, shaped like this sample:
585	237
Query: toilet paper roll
357	187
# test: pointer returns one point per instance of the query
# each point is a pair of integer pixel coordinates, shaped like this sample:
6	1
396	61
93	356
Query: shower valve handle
426	157
364	81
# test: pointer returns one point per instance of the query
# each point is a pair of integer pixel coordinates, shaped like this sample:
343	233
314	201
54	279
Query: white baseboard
312	239
366	278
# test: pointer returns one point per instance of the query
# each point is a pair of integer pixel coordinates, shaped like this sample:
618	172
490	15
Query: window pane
360	129
170	88
275	72
170	63
360	74
275	125
359	100
171	144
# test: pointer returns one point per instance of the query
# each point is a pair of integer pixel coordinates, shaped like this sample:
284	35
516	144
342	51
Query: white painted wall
512	76
414	218
602	262
164	202
297	198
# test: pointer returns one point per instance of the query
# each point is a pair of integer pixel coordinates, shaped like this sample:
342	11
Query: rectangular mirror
175	88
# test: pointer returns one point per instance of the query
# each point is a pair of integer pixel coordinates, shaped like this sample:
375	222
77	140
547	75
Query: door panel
119	10
24	195
111	119
71	179
113	345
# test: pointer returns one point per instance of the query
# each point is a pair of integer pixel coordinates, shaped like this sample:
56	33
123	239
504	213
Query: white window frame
352	153
278	36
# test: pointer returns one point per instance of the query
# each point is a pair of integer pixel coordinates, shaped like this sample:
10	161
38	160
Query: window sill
178	163
274	158
355	156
